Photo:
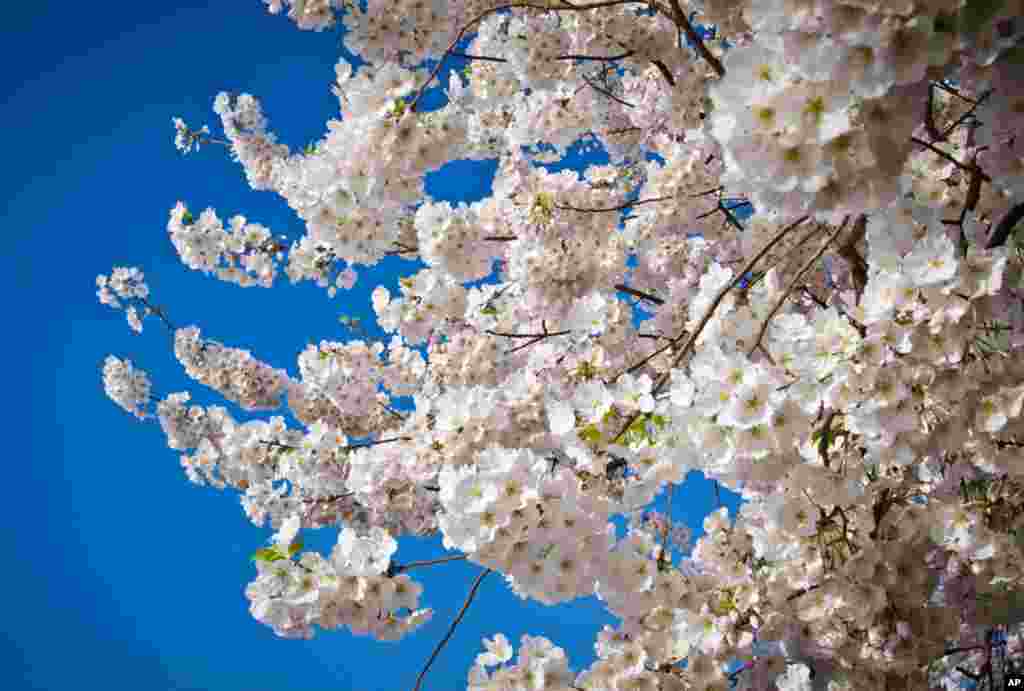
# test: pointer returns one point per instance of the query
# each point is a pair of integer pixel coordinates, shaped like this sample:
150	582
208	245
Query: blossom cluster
848	359
124	283
350	589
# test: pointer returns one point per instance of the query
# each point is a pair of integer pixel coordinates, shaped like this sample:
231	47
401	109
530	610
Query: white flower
498	651
635	392
367	555
797	677
561	417
285	535
588	316
466	491
750	404
682	390
126	386
593	400
932	261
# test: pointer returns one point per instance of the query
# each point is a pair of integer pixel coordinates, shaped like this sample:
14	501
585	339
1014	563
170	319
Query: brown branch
390	410
360	445
477	57
607	93
706	192
665	72
621	130
395	569
802	591
158	311
950	90
792	284
486	13
500	238
327	500
823	443
451	629
639	294
543	335
708	313
963	118
608	58
929	115
620	207
848	251
663	558
942	154
365	444
691	34
1002	232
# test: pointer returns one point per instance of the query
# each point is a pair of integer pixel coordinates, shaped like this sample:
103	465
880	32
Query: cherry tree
848	358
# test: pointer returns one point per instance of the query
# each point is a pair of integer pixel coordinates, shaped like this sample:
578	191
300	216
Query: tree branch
1005	226
486	13
792	284
636	293
467	56
598	58
708	313
620	207
607	93
694	38
395	569
942	154
665	72
451	629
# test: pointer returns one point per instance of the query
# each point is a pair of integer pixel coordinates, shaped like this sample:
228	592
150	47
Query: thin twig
636	293
486	13
477	57
708	313
608	58
929	115
1005	226
963	118
543	335
942	154
664	558
451	629
620	207
695	39
665	72
792	284
802	591
395	569
607	93
158	311
392	411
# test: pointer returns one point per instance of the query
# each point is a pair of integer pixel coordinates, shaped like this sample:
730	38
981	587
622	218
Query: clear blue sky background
118	571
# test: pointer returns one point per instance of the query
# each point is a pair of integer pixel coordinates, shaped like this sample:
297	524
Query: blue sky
121	572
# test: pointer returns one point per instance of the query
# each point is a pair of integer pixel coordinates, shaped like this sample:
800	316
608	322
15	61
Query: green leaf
1014	56
294	548
590	433
977	13
946	23
489	310
188	219
659	420
268	554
